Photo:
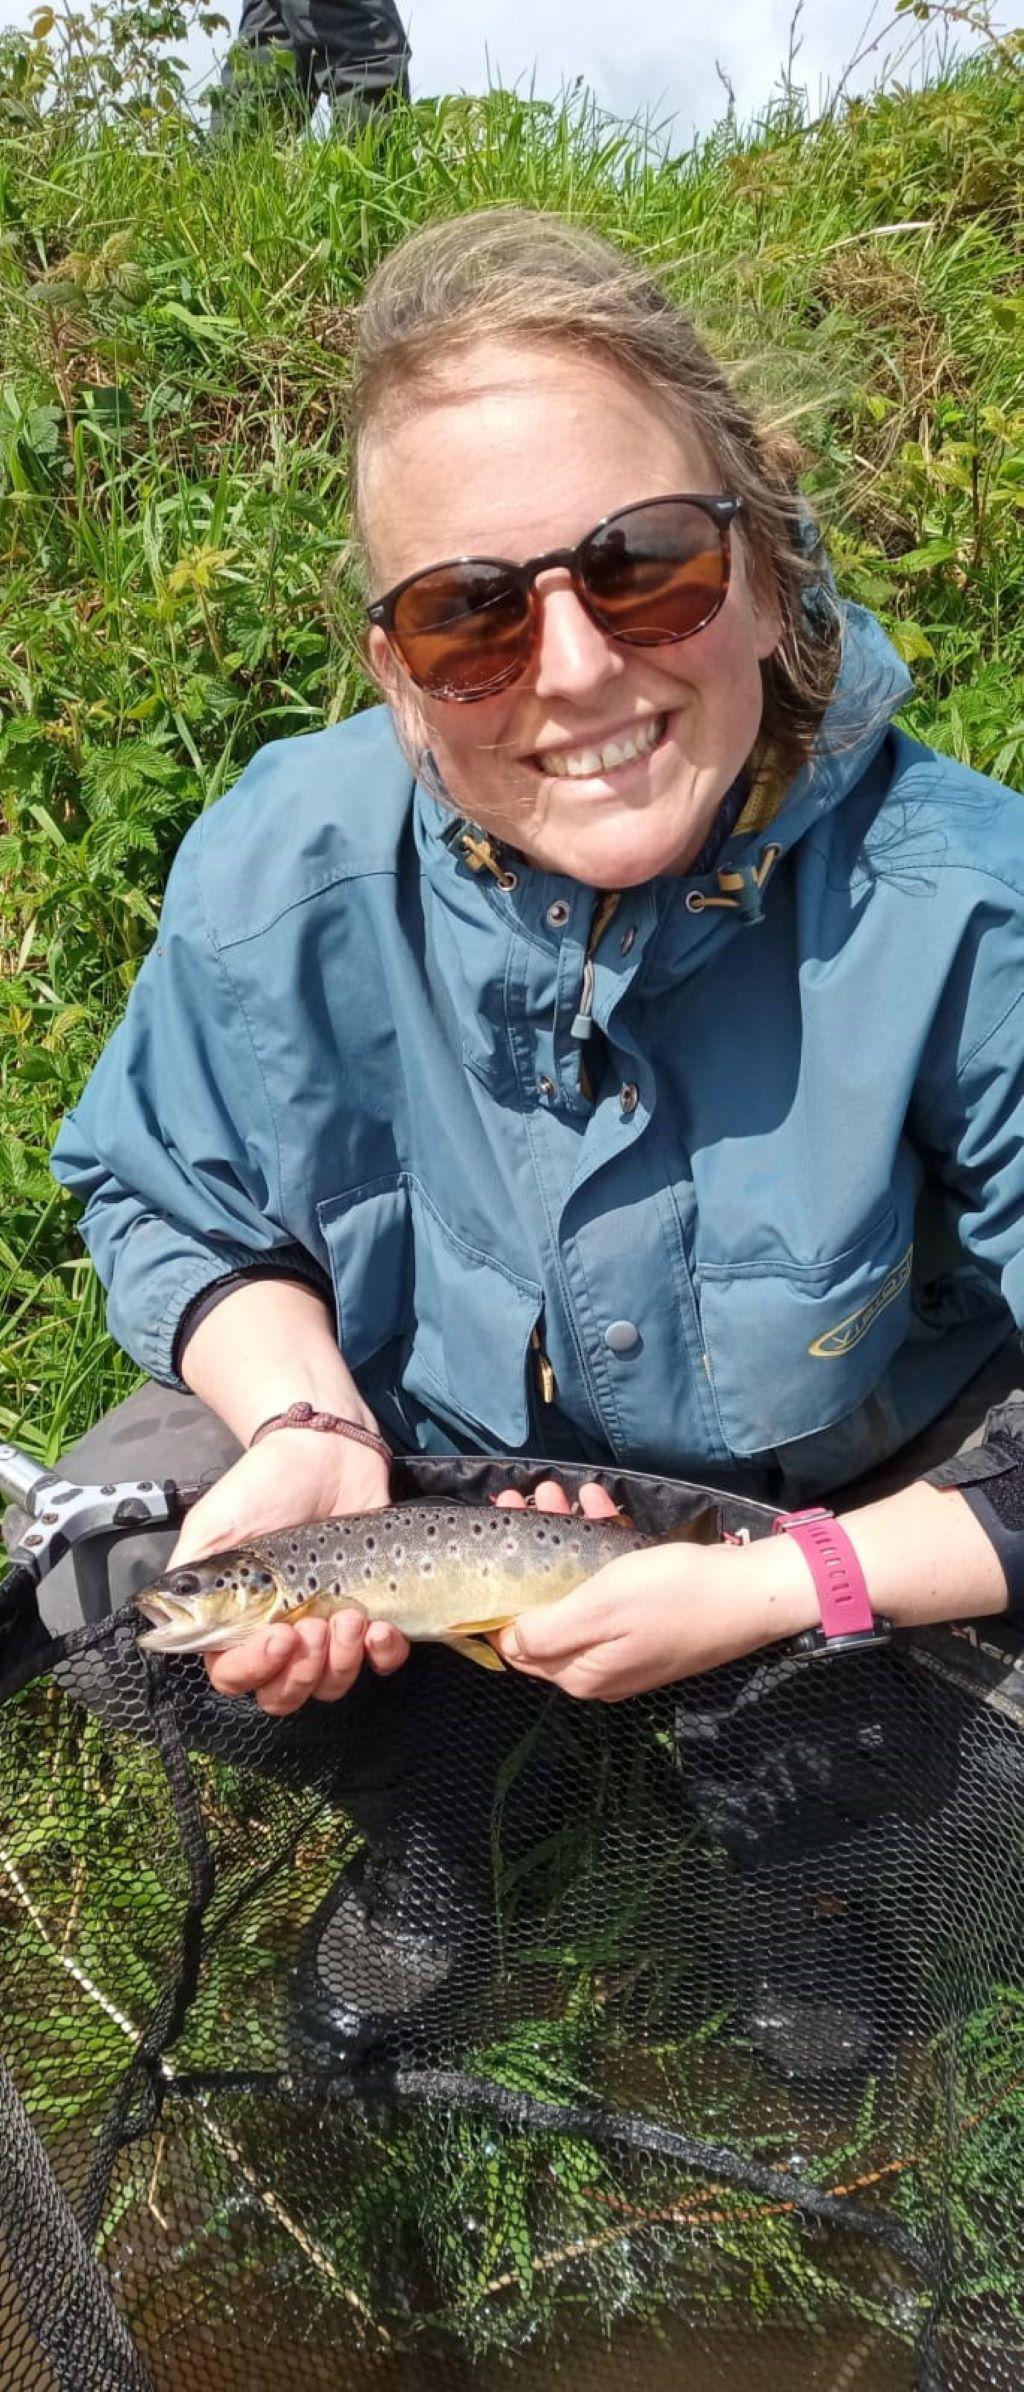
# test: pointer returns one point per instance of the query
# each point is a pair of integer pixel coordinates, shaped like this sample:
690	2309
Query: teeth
578	764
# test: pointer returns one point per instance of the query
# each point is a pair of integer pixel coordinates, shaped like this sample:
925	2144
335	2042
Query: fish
448	1573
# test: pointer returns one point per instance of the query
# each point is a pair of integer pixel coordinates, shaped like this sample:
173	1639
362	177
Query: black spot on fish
370	1544
478	1528
368	1570
312	1582
555	1538
220	1581
426	1569
393	1586
293	1548
432	1530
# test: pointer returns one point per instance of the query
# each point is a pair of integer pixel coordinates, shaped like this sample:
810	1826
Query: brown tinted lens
463	630
656	573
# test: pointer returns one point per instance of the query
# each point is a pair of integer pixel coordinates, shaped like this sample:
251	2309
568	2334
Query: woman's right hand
293	1476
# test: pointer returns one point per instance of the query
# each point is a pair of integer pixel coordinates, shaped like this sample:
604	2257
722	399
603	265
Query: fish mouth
173	1623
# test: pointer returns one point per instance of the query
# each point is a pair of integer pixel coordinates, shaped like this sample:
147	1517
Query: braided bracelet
303	1416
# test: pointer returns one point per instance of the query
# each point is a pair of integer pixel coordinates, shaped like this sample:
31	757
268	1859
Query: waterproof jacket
757	1229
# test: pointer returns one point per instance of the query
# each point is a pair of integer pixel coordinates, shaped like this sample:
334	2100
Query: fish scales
441	1572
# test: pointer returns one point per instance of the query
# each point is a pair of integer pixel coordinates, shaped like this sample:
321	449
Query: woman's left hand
665	1613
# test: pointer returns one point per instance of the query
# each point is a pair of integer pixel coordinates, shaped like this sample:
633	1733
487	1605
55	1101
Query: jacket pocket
790	1348
399	1271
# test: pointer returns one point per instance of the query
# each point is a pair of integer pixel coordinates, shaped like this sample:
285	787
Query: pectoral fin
502	1619
703	1529
475	1649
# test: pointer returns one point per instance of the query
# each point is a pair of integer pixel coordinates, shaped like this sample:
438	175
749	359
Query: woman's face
528	452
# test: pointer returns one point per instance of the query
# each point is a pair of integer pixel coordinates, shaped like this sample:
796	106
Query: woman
610	1048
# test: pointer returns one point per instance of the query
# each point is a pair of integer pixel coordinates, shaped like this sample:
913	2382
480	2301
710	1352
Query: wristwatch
847	1620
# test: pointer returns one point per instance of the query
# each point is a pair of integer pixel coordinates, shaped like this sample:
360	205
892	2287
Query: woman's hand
293	1476
658	1615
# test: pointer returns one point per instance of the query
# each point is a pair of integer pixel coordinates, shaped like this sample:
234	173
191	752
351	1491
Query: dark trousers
350	51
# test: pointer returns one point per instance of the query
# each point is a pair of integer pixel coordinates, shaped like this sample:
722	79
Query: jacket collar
477	876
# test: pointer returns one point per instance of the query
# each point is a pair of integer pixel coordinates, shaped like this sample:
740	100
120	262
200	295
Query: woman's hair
516	275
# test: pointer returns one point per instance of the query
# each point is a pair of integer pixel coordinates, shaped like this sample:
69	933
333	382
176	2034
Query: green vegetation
274	2203
175	320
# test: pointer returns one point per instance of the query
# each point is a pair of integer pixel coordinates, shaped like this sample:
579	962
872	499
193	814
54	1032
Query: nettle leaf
925	559
111	774
911	643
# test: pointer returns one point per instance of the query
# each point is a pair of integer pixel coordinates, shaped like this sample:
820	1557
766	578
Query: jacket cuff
209	1297
161	1270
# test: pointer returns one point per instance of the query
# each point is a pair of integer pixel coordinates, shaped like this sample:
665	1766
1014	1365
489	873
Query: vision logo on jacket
849	1332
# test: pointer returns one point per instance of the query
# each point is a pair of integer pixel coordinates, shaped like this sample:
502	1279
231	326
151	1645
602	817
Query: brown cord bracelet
303	1416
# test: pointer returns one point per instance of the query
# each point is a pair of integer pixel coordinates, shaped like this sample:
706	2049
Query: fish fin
500	1619
703	1529
476	1650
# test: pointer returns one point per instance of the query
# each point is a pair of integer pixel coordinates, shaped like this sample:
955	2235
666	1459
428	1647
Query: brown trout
446	1572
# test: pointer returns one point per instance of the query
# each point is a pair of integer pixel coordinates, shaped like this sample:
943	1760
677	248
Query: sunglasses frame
722	511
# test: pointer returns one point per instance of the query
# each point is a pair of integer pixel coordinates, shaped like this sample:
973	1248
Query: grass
176	316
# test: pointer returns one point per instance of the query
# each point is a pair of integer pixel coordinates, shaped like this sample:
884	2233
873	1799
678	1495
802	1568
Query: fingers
319	1659
284	1666
386	1648
595	1502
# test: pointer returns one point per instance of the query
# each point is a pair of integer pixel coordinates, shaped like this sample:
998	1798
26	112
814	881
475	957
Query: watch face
814	1642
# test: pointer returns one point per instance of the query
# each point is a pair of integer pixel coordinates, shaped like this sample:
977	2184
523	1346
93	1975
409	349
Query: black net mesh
679	2042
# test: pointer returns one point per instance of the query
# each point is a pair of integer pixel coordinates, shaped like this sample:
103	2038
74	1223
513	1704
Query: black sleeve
990	1477
209	1297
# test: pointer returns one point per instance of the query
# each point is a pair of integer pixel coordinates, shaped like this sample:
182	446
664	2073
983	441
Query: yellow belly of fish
451	1606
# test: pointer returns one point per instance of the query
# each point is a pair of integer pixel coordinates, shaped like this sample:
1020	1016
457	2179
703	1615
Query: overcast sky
656	59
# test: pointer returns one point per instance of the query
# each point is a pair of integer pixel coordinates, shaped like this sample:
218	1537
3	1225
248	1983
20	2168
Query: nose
573	655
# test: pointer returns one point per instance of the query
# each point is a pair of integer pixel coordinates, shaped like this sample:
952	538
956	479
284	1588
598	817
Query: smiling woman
608	1049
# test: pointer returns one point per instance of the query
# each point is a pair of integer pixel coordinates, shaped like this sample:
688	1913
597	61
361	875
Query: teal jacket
779	1234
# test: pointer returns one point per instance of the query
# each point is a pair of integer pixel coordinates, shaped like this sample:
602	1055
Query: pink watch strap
837	1574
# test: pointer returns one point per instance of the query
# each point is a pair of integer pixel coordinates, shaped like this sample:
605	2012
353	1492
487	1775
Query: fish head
207	1606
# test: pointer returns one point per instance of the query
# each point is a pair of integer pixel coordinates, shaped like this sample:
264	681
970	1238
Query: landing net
705	2062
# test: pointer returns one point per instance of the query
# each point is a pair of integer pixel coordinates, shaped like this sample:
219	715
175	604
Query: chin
625	862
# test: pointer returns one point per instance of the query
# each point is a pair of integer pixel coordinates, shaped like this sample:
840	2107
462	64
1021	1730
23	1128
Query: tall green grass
175	324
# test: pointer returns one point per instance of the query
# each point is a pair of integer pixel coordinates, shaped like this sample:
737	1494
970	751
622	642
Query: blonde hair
516	275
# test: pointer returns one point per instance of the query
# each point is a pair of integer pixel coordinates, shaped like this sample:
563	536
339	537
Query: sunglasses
649	574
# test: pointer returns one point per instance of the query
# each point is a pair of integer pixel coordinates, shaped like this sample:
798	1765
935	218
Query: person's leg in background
287	56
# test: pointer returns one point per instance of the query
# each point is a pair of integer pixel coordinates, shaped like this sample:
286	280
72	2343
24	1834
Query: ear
767	618
381	662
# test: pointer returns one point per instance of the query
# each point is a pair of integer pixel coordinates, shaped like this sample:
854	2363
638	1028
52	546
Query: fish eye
185	1582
